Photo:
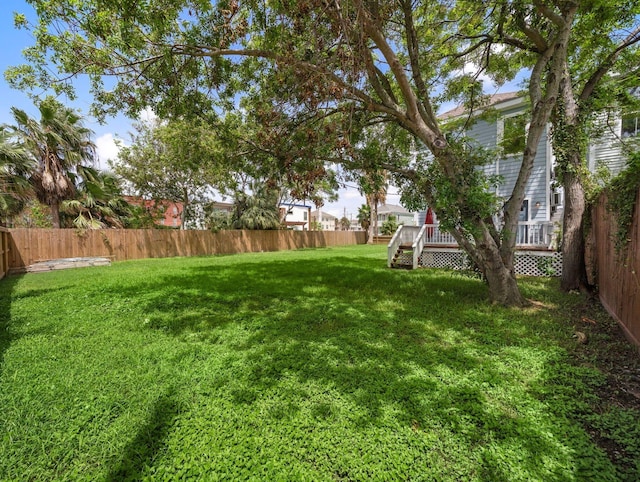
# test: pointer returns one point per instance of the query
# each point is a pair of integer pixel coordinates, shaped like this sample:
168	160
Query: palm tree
364	218
15	166
98	202
59	143
376	193
257	211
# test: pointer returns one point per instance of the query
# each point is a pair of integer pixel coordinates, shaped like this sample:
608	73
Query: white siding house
543	203
295	216
328	221
541	213
402	216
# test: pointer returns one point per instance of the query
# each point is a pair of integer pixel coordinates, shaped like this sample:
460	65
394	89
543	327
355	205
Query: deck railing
534	234
404	235
433	235
417	246
529	234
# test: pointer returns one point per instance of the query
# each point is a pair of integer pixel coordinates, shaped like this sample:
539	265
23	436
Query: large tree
595	77
602	64
319	59
172	161
58	143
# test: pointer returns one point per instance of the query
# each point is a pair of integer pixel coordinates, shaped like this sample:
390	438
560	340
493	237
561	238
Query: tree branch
607	64
413	48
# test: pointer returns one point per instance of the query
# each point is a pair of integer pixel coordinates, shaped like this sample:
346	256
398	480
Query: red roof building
168	212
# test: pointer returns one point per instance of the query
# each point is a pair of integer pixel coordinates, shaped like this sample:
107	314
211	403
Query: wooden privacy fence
4	251
28	246
618	274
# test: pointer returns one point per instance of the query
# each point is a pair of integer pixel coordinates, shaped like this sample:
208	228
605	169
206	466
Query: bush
390	226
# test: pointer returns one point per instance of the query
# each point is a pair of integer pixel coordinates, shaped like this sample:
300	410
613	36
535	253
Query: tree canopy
172	161
15	166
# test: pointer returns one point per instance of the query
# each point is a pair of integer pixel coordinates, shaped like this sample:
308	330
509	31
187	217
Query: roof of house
222	206
493	101
392	208
294	205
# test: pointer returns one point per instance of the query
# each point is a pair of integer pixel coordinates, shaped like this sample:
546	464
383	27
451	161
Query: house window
304	215
514	134
630	126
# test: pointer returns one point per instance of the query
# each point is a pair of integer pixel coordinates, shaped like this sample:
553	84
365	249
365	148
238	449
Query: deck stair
403	258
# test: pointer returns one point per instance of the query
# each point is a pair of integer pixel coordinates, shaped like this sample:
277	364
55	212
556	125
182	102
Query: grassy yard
307	365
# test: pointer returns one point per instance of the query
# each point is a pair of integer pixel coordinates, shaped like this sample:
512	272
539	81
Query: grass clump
306	365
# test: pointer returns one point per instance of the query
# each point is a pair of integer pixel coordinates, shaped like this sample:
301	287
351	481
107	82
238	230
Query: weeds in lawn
306	365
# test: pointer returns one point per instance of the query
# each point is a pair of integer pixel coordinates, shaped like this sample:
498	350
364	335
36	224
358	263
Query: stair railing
393	245
418	245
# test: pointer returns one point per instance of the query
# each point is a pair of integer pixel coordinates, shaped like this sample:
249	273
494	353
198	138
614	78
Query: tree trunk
376	231
503	287
571	126
574	271
55	214
370	232
499	272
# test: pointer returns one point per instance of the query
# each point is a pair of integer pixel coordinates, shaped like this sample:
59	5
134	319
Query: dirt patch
607	349
612	353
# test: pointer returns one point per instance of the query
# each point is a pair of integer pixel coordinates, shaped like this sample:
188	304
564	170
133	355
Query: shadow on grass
7	336
142	450
426	346
9	327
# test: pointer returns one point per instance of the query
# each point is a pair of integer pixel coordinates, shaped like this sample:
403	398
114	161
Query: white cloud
106	149
351	194
148	115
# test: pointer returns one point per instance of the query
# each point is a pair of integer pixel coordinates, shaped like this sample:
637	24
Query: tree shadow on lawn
7	287
149	441
426	346
12	329
8	333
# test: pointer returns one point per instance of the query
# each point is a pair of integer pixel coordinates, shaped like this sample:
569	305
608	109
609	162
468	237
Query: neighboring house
295	216
327	223
543	202
355	225
168	212
221	206
402	216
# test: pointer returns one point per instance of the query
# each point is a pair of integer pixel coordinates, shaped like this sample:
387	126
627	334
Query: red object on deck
428	219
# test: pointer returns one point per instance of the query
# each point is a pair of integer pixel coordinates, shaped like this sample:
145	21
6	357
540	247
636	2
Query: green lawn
305	365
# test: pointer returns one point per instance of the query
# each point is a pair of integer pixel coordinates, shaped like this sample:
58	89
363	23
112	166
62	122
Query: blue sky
13	41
